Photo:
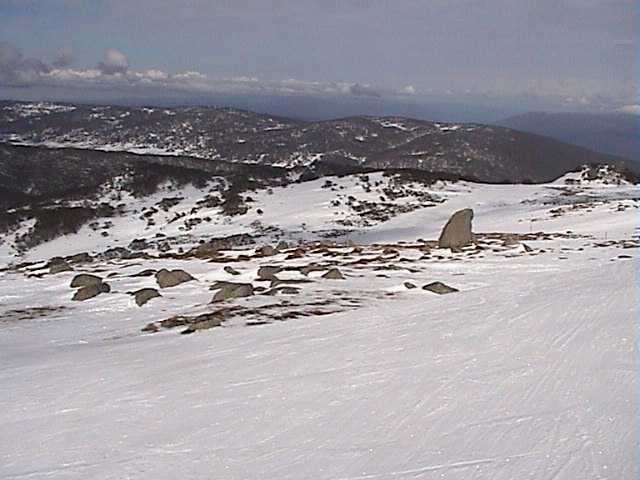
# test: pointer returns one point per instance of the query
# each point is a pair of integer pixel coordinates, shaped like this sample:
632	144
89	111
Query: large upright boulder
457	232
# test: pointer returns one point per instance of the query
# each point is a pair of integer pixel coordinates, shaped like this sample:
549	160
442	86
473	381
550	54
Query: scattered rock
510	241
175	321
266	251
233	290
60	267
268	272
116	253
138	244
409	285
457	232
54	260
221	284
297	253
85	280
83	257
205	322
289	281
282	245
439	288
145	273
150	328
90	291
143	295
231	270
333	274
167	279
206	250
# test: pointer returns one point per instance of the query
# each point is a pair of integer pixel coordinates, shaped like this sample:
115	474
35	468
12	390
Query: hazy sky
572	52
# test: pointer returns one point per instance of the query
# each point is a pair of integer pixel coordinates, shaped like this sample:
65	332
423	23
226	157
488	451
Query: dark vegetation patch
54	222
31	313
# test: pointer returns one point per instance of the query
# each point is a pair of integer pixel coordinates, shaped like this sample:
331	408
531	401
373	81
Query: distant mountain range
612	133
475	151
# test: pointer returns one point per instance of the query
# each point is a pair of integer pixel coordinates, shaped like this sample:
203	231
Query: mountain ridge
488	153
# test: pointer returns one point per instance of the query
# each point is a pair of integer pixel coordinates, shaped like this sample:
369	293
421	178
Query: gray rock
267	251
457	232
221	284
150	328
289	281
115	253
282	245
138	244
59	267
231	270
233	290
333	274
171	278
409	285
439	288
90	291
510	241
85	280
55	260
83	257
268	272
145	273
143	295
205	322
284	290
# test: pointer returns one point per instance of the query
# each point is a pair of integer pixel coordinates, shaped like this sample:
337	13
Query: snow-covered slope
528	371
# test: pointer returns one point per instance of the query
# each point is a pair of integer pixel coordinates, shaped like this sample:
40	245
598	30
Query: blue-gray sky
573	53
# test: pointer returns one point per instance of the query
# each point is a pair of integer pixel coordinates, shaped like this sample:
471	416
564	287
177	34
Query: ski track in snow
527	373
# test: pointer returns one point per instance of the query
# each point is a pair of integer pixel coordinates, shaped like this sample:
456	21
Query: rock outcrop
59	267
85	280
143	295
439	288
334	274
457	233
90	291
268	272
171	278
231	290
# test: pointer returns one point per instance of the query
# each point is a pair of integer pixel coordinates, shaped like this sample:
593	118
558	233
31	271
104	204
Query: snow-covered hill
487	153
526	371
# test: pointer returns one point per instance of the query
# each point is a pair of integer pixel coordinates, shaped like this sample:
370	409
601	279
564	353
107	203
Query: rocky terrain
489	343
362	307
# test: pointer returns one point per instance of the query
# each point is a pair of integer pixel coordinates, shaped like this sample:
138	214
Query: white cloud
408	90
114	62
190	76
632	109
114	73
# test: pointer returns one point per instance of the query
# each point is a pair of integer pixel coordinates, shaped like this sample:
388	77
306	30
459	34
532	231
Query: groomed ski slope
528	372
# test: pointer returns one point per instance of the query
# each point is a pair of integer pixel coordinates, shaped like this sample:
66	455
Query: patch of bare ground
32	313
